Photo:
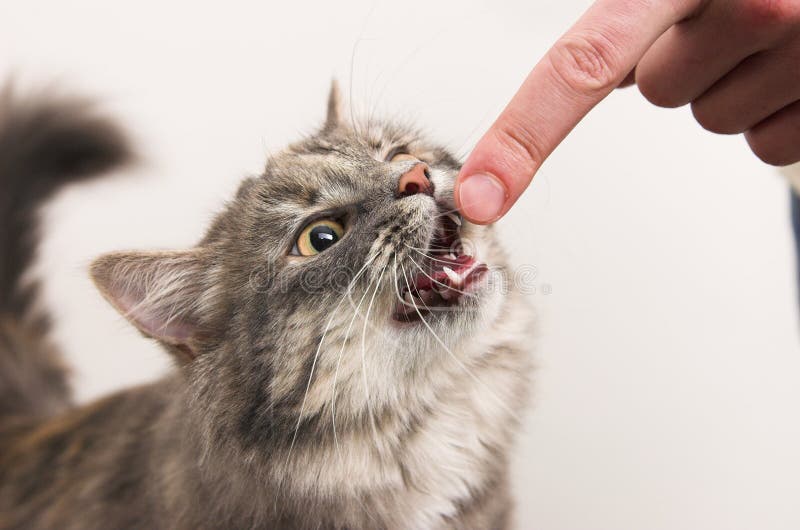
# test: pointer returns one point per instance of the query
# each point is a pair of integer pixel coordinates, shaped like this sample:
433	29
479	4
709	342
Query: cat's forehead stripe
302	181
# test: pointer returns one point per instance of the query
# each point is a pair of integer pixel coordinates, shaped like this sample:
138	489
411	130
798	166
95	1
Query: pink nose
415	181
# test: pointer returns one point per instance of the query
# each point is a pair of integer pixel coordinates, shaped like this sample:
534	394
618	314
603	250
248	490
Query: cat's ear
161	293
335	107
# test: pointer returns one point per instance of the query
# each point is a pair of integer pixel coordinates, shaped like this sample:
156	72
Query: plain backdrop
667	393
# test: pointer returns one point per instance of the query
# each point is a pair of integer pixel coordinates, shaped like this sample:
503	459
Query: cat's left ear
161	293
335	107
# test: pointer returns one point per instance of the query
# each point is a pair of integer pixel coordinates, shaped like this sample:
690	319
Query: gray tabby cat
347	354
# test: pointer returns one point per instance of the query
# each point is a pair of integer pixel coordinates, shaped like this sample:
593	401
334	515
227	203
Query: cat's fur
245	432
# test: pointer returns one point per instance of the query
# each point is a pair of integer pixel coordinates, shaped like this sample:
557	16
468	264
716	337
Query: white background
667	394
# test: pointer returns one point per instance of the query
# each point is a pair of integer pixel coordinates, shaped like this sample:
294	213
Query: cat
348	351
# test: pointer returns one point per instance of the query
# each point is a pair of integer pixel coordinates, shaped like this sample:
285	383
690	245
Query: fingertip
481	197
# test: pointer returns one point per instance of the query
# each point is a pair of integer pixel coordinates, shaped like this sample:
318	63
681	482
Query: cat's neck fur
440	463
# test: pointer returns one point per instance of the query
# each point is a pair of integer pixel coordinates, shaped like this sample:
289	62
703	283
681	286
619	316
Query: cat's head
341	278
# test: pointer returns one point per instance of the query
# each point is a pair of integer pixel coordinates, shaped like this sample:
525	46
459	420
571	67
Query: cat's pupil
322	237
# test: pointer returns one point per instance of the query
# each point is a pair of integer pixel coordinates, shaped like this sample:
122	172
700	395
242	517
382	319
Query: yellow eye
317	237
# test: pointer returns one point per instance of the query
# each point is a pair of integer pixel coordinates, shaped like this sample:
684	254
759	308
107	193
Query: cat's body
297	402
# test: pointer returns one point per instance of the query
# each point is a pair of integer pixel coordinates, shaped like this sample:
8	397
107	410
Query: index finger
580	70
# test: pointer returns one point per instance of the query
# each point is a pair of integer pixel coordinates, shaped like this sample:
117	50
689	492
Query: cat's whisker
432	247
492	268
402	301
364	361
470	295
398	67
241	323
456	359
462	150
397	286
337	447
338	361
429	256
349	291
446	212
352	71
429	309
319	348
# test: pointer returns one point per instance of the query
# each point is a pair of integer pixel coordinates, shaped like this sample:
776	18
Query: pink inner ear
152	323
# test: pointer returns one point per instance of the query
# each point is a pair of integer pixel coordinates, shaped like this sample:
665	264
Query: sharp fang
448	294
407	298
453	217
452	275
427	296
451	256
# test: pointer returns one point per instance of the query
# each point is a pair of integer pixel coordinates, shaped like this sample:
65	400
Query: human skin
737	62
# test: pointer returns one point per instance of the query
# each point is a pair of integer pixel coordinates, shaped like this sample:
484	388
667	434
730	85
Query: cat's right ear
161	293
335	107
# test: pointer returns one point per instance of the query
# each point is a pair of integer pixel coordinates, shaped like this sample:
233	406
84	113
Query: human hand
736	61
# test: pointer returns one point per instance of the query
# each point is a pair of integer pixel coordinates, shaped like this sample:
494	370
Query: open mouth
443	275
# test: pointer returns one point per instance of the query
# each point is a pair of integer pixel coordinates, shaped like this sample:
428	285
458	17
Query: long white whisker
336	375
432	247
471	295
353	62
339	359
429	256
446	212
460	150
319	348
402	64
364	357
456	359
314	363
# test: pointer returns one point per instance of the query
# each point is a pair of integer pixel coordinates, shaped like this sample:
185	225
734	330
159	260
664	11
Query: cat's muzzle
445	273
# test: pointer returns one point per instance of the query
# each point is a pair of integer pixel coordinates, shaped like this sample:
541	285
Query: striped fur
296	402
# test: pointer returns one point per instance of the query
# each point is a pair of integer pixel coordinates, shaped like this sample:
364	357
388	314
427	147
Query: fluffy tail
45	143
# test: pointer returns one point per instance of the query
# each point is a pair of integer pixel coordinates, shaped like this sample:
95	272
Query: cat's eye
317	237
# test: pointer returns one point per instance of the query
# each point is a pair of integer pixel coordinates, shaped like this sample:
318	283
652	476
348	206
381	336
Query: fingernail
482	197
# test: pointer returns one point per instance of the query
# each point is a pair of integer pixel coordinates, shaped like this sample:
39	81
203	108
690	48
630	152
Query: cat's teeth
448	294
452	256
453	217
408	299
427	296
452	275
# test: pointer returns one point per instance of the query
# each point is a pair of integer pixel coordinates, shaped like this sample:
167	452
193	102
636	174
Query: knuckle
715	120
659	93
767	151
658	84
587	63
771	13
521	144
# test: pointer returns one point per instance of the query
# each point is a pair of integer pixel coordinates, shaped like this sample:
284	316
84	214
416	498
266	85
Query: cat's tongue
447	279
